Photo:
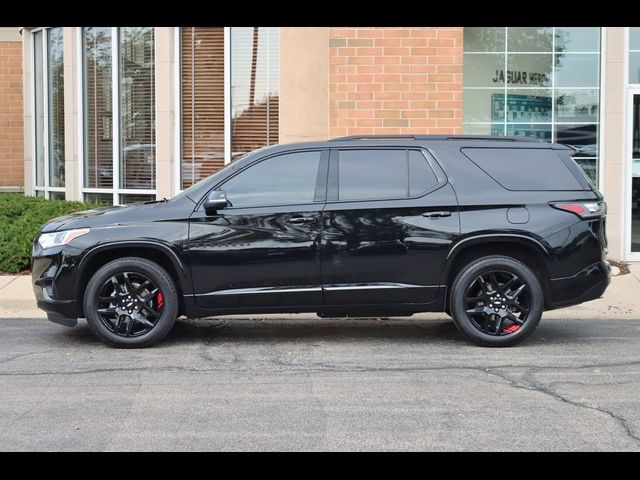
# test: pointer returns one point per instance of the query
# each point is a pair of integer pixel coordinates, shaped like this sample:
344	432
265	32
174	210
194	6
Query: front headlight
56	239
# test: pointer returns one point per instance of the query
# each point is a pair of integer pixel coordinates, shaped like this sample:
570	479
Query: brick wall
395	80
11	115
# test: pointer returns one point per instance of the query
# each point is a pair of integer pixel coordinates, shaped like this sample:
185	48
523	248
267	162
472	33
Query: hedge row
20	219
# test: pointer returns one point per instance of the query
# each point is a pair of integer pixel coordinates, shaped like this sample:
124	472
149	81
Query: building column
304	84
166	180
72	115
613	136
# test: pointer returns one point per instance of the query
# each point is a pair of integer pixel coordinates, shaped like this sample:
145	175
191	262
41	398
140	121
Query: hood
95	217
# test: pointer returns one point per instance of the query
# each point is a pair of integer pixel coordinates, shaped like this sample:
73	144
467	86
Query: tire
485	313
116	326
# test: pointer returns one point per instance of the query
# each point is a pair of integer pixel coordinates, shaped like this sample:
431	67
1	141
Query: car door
263	249
388	223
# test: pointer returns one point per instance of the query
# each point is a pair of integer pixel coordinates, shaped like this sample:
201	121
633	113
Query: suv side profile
491	230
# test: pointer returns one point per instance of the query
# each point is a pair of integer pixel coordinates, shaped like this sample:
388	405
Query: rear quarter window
524	168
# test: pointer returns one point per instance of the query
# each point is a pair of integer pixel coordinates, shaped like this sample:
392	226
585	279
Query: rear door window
524	168
370	174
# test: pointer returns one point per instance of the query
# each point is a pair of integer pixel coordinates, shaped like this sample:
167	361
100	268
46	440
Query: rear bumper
588	284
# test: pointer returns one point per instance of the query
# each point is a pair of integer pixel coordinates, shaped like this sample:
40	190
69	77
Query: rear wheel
496	301
131	303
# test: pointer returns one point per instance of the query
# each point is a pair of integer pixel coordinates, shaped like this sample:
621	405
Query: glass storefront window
134	156
255	88
545	84
98	121
56	195
530	39
528	105
577	70
577	105
529	70
55	84
483	70
137	108
484	39
128	198
99	198
48	90
252	96
202	95
577	39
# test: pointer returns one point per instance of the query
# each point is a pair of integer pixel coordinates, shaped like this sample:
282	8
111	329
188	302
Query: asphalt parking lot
312	384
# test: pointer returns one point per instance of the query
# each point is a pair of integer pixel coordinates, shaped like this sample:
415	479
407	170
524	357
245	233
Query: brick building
11	111
126	114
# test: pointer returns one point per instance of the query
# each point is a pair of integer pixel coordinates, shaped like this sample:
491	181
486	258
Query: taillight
582	209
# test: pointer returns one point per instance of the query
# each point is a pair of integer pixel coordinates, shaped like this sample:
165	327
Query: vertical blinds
254	95
137	108
98	124
202	52
255	78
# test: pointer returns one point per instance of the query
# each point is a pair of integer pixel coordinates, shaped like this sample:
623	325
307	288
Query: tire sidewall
158	276
468	275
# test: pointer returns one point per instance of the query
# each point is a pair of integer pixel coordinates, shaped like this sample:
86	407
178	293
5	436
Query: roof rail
492	138
374	137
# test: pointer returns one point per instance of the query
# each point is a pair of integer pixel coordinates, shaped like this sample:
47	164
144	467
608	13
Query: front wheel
496	301
131	303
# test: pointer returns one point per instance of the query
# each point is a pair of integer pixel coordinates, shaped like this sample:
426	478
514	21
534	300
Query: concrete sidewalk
621	301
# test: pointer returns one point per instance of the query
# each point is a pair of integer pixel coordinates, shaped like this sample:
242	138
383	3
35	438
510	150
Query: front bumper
53	283
588	284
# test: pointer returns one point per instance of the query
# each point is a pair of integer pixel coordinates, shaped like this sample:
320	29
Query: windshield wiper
164	200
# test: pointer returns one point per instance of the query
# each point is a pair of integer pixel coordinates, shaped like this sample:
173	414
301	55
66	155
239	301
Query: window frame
332	181
116	191
46	188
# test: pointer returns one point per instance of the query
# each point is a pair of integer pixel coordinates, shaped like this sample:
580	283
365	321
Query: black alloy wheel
131	302
496	301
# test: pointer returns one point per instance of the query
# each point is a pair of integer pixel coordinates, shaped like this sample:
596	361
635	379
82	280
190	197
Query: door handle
436	214
300	220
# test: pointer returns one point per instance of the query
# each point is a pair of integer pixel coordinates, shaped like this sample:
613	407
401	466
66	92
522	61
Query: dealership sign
520	78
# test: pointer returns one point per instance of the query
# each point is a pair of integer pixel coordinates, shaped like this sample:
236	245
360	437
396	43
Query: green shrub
20	219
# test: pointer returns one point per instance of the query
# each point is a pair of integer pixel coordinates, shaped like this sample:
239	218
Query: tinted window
524	169
374	174
421	177
283	180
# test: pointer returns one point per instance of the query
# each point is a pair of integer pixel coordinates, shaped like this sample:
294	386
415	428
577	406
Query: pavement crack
9	282
535	386
20	355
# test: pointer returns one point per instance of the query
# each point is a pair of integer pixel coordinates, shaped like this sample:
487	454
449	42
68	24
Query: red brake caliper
511	328
161	301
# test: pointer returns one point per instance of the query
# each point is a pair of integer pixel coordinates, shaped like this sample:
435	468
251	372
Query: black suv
491	230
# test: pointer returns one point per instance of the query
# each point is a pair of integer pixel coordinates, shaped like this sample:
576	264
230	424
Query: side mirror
217	200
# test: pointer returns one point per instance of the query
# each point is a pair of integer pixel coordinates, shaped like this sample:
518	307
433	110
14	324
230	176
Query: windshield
191	189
